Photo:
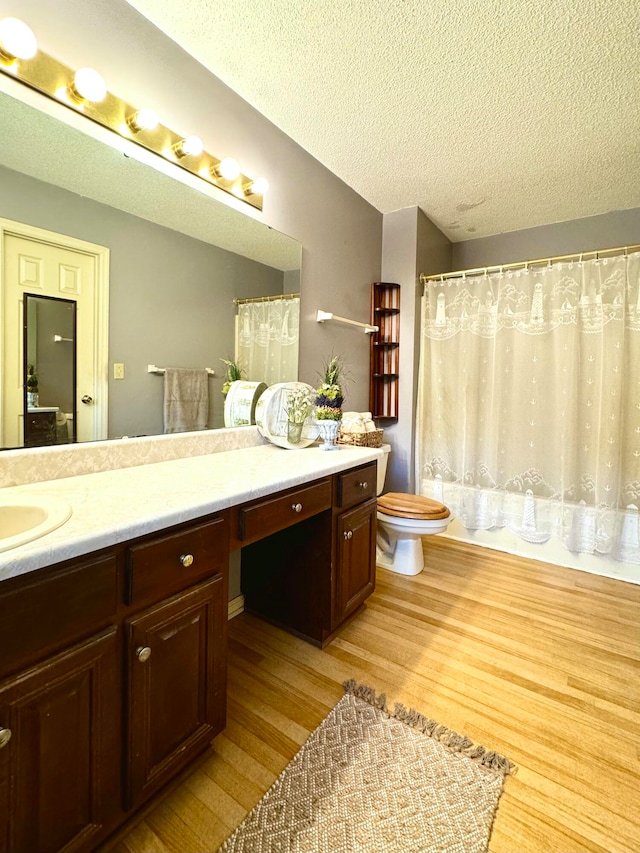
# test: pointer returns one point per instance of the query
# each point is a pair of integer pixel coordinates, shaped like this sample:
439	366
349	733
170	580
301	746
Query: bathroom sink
24	518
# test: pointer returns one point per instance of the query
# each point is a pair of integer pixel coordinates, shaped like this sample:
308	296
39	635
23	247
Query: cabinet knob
186	560
5	737
364	485
296	507
348	534
143	653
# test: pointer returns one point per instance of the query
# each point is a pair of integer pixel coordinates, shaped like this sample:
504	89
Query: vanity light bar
59	82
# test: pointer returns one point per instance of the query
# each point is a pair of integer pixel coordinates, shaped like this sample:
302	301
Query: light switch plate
118	371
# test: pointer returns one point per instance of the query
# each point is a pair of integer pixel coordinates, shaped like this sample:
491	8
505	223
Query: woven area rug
369	780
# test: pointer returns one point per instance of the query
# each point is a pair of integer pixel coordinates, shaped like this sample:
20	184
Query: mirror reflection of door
45	264
49	370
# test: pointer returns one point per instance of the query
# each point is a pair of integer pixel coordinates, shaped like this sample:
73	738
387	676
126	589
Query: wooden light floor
538	662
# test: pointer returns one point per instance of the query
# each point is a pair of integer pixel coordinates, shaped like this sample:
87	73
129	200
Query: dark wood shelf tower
385	351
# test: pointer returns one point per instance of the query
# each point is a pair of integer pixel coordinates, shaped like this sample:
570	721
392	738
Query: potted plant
329	399
233	374
298	406
32	386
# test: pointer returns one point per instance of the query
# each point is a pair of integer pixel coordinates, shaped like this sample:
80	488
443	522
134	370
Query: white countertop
114	506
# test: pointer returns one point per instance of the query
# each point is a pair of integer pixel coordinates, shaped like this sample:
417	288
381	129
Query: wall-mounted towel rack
321	316
277	298
151	368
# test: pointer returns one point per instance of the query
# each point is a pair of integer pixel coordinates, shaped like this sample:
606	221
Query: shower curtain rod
266	298
425	279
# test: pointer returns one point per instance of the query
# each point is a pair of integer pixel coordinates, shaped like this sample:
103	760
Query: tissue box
361	439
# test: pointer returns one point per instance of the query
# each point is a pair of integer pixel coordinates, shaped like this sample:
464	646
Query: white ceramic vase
329	432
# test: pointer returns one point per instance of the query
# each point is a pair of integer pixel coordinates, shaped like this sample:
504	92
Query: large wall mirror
178	264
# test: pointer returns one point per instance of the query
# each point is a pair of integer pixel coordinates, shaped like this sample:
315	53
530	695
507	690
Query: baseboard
236	606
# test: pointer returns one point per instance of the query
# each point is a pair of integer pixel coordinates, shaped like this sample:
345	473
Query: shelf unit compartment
385	350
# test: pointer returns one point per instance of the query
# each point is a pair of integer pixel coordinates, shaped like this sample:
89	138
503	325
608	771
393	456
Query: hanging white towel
186	399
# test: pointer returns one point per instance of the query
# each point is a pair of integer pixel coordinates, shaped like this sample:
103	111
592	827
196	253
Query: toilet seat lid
411	506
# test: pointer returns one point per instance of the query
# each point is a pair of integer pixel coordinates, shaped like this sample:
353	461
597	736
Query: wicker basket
361	439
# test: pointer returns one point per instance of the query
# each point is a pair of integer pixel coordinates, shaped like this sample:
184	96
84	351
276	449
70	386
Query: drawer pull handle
186	560
364	485
5	737
143	653
296	507
348	534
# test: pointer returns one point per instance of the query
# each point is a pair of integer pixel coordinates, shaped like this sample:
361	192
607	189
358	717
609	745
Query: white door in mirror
53	270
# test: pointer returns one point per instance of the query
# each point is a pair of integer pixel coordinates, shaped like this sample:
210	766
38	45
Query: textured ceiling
490	115
45	148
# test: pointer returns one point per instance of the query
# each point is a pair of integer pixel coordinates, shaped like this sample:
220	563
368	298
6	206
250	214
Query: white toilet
403	520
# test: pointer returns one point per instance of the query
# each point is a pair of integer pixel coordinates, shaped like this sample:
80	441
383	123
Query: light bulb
191	146
229	169
145	119
257	187
88	85
17	40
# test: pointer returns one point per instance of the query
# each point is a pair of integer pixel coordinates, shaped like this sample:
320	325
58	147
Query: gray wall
171	297
411	244
340	232
610	230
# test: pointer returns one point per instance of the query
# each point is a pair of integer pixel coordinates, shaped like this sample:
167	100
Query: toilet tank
382	467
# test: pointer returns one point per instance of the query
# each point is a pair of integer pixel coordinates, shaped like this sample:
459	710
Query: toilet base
399	541
406	558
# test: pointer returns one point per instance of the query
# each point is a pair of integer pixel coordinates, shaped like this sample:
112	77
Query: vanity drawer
273	514
357	485
46	611
167	564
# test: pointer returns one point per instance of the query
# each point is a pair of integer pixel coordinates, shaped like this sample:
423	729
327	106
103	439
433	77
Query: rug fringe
453	741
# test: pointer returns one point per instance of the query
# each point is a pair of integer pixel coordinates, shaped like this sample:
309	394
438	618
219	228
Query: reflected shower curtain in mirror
529	402
267	339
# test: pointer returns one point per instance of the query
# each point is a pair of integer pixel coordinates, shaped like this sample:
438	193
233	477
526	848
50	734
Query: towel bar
151	368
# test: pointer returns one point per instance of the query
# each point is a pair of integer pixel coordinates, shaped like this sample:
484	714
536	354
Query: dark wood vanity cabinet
112	679
60	769
175	651
285	578
39	429
355	560
355	540
113	666
175	699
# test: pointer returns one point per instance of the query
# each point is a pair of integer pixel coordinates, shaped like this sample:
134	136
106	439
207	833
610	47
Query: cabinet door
356	565
60	767
176	684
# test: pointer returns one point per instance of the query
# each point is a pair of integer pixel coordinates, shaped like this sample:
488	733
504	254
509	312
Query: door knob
143	653
87	400
5	737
